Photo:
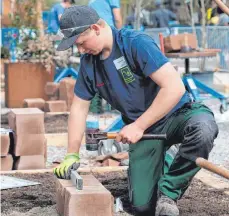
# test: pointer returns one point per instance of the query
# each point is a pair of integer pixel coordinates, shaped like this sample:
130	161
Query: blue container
93	124
204	77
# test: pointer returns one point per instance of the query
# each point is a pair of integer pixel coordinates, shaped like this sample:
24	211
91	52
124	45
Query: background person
108	10
162	16
55	14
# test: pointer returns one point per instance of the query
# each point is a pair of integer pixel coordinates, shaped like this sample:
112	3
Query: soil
201	200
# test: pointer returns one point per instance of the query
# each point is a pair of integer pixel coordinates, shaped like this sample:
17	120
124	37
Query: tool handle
154	137
144	137
203	163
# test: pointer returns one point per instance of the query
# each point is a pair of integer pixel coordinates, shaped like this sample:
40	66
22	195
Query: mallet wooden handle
223	7
144	137
203	163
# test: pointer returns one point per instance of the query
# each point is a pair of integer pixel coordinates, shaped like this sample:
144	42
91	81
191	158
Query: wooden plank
56	113
59	139
194	54
80	170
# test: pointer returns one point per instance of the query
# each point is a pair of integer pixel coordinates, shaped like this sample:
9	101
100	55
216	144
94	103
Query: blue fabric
104	9
127	85
54	22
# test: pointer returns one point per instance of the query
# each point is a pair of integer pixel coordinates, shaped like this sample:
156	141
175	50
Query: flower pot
25	80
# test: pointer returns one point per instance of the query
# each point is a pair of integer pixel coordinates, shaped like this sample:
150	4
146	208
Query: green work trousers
195	128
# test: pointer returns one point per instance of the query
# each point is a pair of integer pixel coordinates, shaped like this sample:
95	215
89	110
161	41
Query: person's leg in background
195	128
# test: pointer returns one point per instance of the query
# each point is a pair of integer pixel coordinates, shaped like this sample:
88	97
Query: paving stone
94	199
52	89
29	144
30	162
26	120
110	162
55	106
6	163
34	103
66	91
5	144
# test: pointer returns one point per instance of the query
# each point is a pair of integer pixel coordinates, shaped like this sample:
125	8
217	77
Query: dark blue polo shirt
123	78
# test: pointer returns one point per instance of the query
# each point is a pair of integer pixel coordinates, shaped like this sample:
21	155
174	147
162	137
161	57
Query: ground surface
201	200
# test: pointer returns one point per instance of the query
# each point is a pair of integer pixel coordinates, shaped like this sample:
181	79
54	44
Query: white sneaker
166	207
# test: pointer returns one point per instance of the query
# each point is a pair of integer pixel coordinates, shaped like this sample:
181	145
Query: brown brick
7	163
29	144
66	91
45	150
92	200
53	98
30	162
26	120
111	162
52	89
60	194
55	106
5	144
34	103
90	186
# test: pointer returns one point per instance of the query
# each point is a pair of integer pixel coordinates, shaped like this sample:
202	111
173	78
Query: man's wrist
141	124
72	155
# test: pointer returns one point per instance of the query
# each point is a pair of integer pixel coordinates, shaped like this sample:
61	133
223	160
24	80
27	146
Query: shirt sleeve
114	3
83	87
59	10
147	55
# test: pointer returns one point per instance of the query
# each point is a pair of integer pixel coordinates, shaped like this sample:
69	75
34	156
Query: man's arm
172	15
77	123
117	17
170	93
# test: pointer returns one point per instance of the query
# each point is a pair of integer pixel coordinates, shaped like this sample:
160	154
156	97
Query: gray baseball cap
73	22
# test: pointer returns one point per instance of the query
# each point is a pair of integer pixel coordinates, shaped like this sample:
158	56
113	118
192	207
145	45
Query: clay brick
26	120
66	91
7	163
89	182
29	144
110	162
52	89
92	200
174	42
34	103
55	106
60	194
30	162
45	150
5	144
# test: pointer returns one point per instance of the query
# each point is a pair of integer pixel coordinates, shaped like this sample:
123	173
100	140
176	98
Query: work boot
166	206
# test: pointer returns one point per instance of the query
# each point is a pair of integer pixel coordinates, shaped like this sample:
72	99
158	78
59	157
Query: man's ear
95	27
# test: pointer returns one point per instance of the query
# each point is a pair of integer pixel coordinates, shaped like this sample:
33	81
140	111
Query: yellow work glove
70	162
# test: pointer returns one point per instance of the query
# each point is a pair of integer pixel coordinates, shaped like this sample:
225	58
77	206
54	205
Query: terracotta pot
25	80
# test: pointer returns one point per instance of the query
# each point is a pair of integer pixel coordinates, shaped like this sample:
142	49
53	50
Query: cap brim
67	43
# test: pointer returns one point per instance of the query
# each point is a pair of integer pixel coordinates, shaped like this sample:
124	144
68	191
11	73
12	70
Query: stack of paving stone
29	151
6	150
60	96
